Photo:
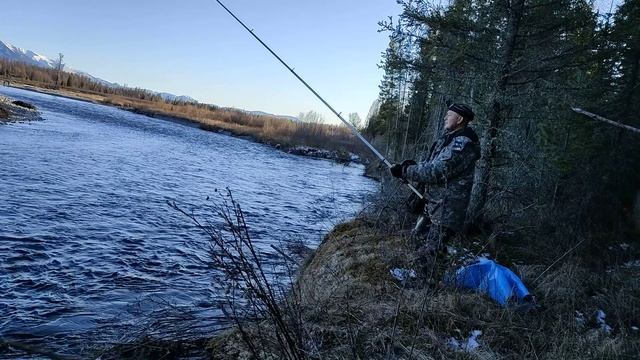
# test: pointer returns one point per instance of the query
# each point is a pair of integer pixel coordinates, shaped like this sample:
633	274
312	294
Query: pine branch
611	122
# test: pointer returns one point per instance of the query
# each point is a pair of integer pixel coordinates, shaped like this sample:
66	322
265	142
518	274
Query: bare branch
610	122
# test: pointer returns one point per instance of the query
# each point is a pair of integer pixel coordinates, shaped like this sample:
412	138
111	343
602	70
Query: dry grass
353	308
344	304
267	129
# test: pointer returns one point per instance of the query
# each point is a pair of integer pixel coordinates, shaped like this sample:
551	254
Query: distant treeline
522	65
51	78
269	129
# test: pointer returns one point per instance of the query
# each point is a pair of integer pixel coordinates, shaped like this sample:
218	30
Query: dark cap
462	110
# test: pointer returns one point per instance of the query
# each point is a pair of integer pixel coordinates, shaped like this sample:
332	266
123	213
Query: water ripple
87	242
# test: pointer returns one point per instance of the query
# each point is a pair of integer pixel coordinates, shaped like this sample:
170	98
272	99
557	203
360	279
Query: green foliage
522	65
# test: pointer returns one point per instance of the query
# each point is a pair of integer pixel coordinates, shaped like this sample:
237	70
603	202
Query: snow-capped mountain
93	78
15	53
170	97
262	113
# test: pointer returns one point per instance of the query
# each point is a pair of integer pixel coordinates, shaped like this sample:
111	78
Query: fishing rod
349	125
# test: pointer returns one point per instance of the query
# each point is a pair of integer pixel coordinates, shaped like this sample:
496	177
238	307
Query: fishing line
349	125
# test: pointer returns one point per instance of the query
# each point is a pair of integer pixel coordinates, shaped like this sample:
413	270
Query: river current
89	249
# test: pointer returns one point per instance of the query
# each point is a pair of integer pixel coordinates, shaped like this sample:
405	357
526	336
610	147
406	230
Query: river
89	249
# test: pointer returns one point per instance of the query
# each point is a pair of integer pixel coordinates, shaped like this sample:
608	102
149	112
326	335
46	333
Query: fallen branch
611	122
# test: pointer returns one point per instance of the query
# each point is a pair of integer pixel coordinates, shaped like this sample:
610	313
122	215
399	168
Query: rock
16	110
23	104
338	156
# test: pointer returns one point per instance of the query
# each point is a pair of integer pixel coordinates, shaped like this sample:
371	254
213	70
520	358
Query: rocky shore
338	156
15	110
341	157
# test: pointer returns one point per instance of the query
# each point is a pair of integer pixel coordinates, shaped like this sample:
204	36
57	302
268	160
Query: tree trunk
636	211
494	120
635	70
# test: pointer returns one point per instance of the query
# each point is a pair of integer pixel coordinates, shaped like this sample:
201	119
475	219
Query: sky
195	48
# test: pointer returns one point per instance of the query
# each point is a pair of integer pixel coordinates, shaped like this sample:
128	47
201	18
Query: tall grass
264	128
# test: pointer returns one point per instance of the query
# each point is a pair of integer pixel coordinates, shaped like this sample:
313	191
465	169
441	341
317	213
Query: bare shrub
251	295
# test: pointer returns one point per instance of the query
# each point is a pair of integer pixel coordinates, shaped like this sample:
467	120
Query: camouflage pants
429	241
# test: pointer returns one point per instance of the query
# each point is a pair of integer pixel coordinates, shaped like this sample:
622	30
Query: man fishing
447	173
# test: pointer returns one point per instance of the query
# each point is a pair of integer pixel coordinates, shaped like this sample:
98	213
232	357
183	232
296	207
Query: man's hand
396	170
399	170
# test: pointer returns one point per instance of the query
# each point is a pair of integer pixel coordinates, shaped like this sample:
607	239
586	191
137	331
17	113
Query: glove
399	170
396	170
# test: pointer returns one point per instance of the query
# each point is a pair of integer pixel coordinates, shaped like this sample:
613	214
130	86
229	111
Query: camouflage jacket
448	175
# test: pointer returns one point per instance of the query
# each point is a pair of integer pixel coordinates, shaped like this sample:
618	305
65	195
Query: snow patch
401	274
631	264
600	320
15	53
470	344
580	319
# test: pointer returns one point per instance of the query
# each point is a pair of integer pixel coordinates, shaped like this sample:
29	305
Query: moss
353	252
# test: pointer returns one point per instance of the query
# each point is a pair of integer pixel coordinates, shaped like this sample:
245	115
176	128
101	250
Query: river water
89	248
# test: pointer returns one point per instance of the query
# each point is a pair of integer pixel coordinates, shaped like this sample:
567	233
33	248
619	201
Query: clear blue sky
194	48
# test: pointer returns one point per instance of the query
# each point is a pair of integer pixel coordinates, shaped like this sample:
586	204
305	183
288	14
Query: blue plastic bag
489	277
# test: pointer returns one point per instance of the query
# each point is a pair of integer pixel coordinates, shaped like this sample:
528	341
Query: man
448	175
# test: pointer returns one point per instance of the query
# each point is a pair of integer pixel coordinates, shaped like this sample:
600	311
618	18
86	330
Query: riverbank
352	307
91	182
348	305
323	141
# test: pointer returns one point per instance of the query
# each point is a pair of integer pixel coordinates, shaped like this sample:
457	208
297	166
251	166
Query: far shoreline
300	150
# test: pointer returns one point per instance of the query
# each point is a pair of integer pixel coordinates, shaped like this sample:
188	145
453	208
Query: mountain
15	53
170	97
93	78
262	113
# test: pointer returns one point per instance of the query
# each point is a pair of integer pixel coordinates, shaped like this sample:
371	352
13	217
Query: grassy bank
283	133
352	308
344	303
